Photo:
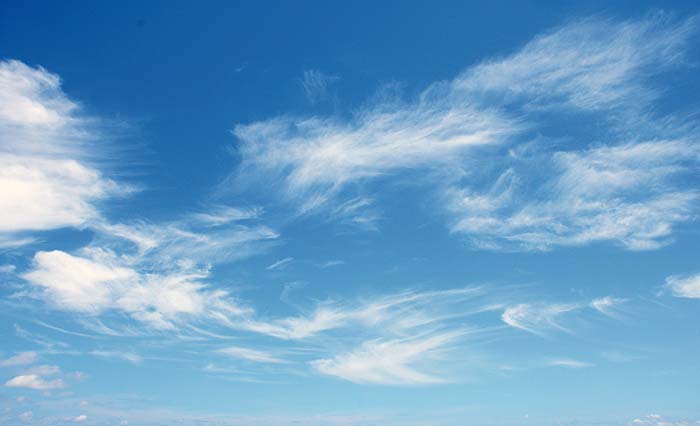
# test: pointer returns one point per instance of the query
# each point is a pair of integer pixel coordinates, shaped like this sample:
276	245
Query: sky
349	213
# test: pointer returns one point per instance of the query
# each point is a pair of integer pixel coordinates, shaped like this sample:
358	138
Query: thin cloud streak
626	190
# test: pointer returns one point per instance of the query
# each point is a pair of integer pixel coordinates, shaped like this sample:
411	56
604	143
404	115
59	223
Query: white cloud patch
537	318
317	158
541	318
607	305
100	281
590	64
331	263
399	339
34	381
47	180
388	362
627	194
687	286
22	358
223	215
630	183
253	355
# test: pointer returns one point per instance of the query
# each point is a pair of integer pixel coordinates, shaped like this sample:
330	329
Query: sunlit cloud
48	175
631	189
686	286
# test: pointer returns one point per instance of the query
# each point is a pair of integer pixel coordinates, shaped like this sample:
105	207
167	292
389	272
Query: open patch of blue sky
349	215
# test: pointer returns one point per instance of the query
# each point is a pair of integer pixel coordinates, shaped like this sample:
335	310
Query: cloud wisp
474	139
541	318
48	173
686	286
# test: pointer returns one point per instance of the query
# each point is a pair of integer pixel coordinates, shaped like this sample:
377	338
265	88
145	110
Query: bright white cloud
388	362
589	64
396	339
607	305
22	358
622	193
537	318
99	281
540	318
317	158
46	179
687	286
34	381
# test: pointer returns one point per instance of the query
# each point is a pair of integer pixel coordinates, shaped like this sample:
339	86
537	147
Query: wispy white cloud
540	317
389	362
21	358
537	318
280	264
687	286
396	339
131	357
472	139
627	194
592	63
607	305
188	239
400	312
42	377
316	85
44	370
570	363
249	354
331	263
223	215
316	158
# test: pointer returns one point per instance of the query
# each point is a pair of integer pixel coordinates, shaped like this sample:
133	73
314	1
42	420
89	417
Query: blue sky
349	214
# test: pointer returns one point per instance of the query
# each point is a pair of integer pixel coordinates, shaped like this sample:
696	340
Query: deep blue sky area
349	213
